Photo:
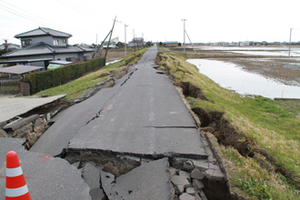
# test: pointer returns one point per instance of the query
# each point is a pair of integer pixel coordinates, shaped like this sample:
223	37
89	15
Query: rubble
148	181
31	128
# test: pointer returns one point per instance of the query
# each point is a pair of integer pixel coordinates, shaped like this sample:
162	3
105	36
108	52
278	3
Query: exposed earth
284	70
269	61
113	55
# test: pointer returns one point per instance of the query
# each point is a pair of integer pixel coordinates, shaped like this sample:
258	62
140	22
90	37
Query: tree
160	44
120	44
149	44
179	44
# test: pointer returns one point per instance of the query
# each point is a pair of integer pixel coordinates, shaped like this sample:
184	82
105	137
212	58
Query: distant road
142	115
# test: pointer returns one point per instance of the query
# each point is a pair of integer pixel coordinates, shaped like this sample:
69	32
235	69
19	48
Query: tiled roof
41	48
43	31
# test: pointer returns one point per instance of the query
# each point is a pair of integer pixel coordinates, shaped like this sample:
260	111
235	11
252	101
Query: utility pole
111	32
96	46
190	41
290	42
183	34
134	41
125	25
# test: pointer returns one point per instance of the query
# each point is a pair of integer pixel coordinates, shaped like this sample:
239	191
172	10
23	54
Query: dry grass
268	127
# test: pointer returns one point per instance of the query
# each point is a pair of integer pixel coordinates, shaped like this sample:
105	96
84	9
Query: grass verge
78	87
259	137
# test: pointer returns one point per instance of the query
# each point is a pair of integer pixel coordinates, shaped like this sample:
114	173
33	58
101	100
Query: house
171	44
44	44
136	42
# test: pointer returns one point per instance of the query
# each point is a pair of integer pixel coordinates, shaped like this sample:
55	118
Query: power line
13	12
24	15
34	18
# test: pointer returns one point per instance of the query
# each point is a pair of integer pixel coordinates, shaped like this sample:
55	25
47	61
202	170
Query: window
71	59
64	41
26	43
55	42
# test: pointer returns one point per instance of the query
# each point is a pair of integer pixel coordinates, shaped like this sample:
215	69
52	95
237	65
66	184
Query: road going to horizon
145	117
142	116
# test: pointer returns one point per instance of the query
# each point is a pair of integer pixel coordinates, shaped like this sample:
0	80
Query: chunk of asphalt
214	174
107	182
181	181
198	184
190	190
197	174
201	164
20	123
186	196
149	181
46	177
91	175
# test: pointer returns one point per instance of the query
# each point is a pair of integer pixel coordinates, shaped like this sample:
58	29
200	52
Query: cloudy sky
157	20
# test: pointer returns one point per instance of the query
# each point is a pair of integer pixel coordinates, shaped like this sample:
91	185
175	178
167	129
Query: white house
42	45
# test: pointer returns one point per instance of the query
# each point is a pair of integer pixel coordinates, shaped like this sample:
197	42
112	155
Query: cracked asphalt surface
142	115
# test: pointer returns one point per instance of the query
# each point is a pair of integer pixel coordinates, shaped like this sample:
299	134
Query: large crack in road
140	143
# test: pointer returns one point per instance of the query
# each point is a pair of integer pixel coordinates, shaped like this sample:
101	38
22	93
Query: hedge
54	77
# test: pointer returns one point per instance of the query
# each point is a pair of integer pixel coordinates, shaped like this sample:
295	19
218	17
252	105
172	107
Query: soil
113	55
284	70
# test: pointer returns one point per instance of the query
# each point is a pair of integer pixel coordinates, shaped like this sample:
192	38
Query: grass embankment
78	87
259	138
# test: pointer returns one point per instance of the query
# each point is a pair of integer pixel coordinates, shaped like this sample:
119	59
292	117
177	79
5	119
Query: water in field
233	77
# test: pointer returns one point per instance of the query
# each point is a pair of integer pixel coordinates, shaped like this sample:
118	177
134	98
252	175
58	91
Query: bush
51	78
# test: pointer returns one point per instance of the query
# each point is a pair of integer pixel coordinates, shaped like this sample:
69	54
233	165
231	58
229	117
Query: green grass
78	87
273	126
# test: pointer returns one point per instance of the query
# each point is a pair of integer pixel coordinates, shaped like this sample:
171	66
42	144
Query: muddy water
233	77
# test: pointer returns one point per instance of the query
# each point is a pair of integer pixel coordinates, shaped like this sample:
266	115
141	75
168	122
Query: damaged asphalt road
124	118
129	122
139	125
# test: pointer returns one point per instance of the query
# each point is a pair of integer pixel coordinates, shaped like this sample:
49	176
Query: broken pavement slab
91	175
57	137
149	181
46	177
15	106
146	118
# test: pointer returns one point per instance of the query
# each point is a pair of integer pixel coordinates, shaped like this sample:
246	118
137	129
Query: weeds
78	87
256	187
265	133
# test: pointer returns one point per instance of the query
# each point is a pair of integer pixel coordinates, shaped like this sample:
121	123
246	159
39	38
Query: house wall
73	57
48	40
34	40
39	64
62	42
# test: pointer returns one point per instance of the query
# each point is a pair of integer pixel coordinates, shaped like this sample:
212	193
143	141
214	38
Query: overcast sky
156	20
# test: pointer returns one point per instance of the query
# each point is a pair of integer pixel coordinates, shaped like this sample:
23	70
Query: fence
9	87
54	77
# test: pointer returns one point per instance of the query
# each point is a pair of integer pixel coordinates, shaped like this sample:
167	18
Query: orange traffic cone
16	187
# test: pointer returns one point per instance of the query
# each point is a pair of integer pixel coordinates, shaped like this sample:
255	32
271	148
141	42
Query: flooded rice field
279	78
